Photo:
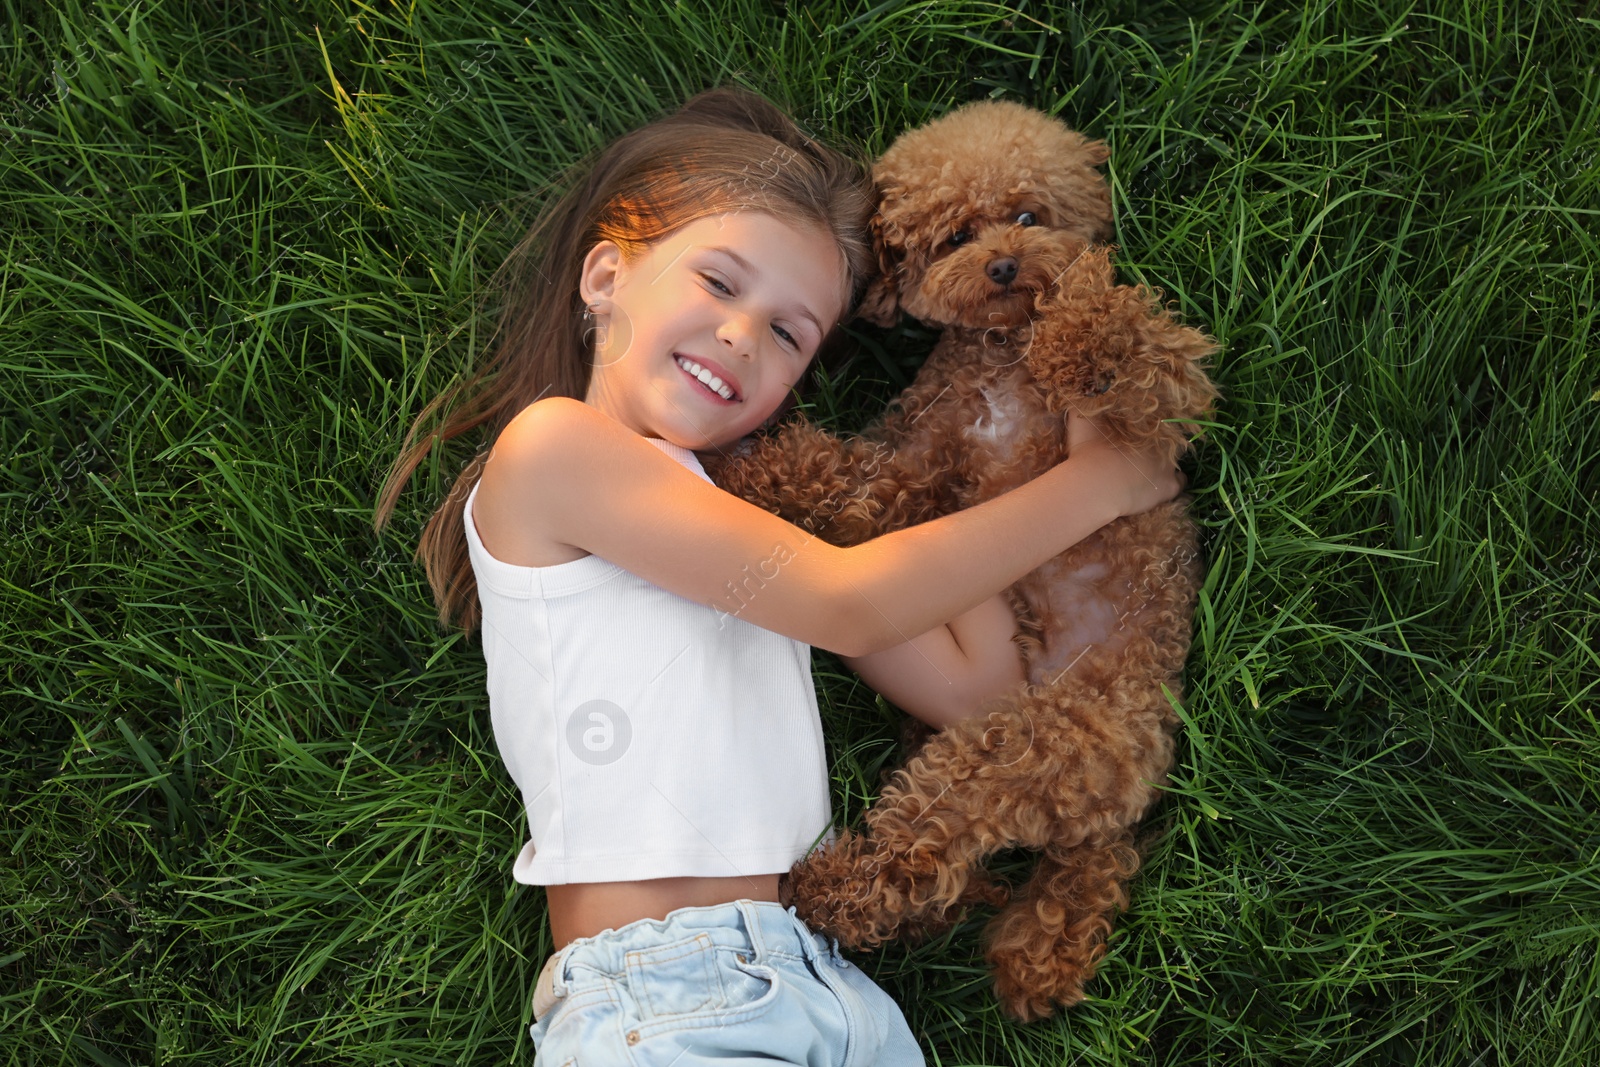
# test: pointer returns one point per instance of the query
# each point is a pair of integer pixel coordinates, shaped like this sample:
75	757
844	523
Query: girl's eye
1027	219
776	329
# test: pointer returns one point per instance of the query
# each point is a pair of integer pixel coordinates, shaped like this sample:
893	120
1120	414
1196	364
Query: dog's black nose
1001	270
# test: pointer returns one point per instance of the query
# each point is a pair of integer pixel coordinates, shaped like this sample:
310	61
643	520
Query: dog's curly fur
1070	762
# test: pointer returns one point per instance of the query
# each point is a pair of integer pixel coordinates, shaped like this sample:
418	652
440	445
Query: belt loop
808	937
752	924
558	984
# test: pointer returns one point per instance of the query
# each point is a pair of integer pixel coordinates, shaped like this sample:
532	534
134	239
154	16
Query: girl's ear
599	272
881	304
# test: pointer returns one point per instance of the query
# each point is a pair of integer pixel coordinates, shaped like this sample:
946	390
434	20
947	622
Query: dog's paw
1078	345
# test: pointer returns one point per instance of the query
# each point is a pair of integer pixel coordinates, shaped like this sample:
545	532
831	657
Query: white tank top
651	736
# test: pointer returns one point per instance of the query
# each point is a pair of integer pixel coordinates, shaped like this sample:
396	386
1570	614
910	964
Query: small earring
594	331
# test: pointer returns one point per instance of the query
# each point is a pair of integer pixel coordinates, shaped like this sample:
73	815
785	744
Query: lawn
253	811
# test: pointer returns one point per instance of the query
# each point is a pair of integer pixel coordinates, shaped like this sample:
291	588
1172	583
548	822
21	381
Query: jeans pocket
747	982
676	979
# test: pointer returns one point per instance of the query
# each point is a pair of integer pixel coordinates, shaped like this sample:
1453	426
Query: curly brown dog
987	226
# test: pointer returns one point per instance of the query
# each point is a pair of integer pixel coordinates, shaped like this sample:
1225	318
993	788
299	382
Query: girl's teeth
711	381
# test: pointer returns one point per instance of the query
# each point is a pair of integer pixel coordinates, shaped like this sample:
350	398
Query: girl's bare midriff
583	909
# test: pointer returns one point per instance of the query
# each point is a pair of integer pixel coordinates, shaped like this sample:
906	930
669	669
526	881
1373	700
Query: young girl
648	636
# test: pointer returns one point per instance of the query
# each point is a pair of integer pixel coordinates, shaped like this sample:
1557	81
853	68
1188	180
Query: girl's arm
566	472
946	674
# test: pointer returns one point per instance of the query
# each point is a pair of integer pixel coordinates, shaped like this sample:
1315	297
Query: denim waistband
758	927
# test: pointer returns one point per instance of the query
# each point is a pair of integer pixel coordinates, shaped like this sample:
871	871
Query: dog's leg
1115	353
1078	761
916	860
846	490
802	474
971	790
1047	943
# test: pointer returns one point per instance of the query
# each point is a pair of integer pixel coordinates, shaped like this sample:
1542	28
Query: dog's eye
1027	219
959	238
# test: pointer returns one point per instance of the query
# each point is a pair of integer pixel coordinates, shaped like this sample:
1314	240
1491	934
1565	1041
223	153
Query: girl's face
742	296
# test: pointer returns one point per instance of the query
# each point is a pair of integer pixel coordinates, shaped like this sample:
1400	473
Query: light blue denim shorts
735	983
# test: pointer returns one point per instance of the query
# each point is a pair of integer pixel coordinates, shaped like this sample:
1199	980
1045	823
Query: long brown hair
724	150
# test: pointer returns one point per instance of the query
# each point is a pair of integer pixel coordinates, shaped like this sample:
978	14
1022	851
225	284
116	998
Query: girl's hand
1135	480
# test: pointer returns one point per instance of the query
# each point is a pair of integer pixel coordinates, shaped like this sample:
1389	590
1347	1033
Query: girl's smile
700	336
712	375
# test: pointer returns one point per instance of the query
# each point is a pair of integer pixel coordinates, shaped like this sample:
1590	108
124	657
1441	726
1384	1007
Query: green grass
252	808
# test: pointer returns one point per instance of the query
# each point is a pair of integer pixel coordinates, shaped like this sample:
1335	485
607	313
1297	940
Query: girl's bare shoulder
517	497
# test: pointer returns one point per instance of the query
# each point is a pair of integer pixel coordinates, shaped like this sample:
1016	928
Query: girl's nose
736	331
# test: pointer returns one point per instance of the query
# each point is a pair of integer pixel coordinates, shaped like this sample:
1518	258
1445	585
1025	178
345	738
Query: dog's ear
881	304
1096	212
